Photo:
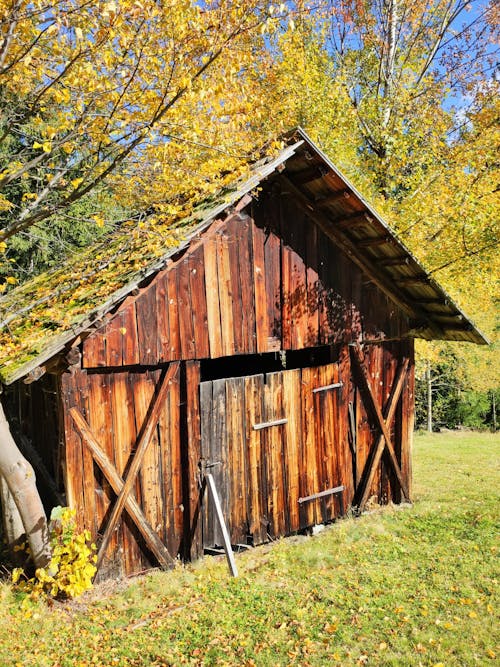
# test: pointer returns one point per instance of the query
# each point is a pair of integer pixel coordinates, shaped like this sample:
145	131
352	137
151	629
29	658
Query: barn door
250	443
269	440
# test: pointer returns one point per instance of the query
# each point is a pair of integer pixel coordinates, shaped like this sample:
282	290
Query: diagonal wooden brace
141	447
384	422
116	482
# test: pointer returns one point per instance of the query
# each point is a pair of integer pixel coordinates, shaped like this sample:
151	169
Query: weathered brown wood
94	349
116	482
144	388
114	343
246	272
287	297
72	453
130	345
212	296
259	282
141	447
192	511
291	447
147	325
333	197
173	315
186	326
164	351
312	287
374	241
253	387
198	302
237	466
273	441
235	282
225	294
272	254
308	478
384	440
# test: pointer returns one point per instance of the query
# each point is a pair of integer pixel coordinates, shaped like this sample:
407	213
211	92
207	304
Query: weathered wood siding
115	406
261	471
246	287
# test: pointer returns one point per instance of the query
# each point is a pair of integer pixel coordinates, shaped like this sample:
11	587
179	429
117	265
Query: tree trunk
494	410
428	377
20	479
14	533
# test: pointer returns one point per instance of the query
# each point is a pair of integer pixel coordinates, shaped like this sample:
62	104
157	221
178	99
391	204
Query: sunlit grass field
399	586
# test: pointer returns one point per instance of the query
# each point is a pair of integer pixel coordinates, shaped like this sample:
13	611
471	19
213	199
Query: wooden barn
270	344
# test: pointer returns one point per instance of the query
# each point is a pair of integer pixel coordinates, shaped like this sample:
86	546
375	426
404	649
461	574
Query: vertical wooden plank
326	445
298	292
406	417
212	296
273	439
374	357
173	314
225	293
152	462
235	447
186	329
94	349
192	519
388	479
287	297
199	312
325	291
259	283
233	243
172	456
344	396
272	260
244	240
207	429
147	326
308	460
143	387
291	447
100	422
114	342
218	461
164	351
257	507
124	431
312	286
72	455
130	344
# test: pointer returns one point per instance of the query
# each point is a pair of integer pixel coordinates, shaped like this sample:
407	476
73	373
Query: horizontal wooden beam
322	494
403	260
375	241
333	197
357	219
308	175
335	385
418	279
276	422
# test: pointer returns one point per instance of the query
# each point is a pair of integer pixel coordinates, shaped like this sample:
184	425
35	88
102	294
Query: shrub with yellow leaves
72	566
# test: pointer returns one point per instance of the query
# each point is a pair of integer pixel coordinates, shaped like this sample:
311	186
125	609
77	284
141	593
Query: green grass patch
400	586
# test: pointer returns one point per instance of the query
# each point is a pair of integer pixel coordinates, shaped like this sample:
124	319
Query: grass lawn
412	586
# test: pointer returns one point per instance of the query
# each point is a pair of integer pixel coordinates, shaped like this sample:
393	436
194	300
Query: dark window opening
270	362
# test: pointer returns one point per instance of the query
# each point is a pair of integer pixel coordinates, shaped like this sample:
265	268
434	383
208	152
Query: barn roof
39	318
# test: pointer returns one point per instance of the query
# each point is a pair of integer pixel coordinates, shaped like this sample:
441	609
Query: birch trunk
20	479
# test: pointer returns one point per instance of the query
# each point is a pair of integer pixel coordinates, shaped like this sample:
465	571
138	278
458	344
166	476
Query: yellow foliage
71	567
